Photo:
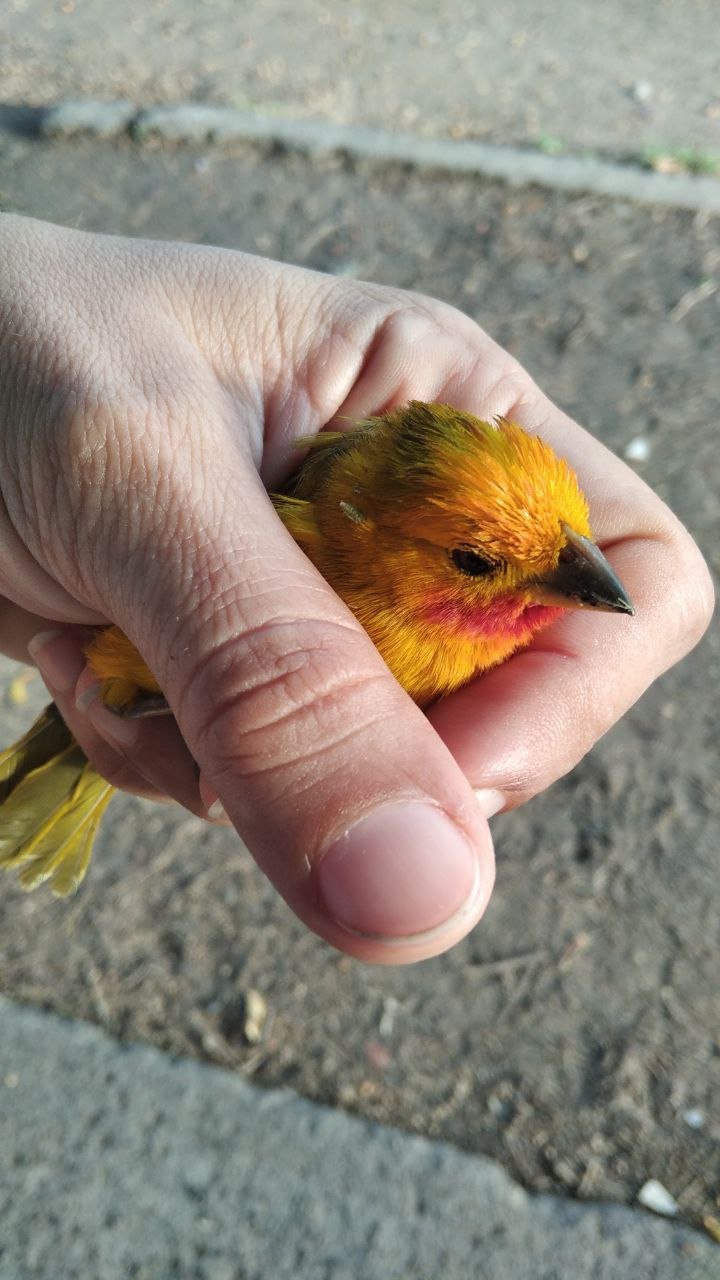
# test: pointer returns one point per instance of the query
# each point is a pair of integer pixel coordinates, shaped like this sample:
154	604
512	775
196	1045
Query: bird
452	539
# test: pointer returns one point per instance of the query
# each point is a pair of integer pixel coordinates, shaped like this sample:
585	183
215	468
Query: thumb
342	791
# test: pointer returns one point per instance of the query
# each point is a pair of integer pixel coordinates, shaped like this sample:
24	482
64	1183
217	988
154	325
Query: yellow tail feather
48	736
51	803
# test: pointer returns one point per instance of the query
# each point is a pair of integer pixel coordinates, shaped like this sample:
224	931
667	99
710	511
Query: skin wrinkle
260	648
170	515
313	398
82	478
279	688
239	370
31	588
305	404
262	628
352	331
544	644
300	776
287	411
199	603
478	350
385	388
26	502
503	391
252	763
476	347
328	309
132	471
218	604
184	316
383	333
93	431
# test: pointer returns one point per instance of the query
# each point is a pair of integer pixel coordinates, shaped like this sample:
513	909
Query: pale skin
148	392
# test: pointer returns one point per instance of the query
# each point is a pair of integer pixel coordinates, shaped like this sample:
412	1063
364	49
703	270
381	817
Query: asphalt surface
124	1163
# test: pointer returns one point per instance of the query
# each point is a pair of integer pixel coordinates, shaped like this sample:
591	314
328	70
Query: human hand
146	390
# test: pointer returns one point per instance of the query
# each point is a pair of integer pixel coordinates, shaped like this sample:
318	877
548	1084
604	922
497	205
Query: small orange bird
452	540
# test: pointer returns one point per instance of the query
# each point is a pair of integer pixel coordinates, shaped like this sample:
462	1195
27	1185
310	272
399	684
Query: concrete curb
118	1161
204	123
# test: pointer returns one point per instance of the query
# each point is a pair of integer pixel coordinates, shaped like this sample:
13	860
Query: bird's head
478	527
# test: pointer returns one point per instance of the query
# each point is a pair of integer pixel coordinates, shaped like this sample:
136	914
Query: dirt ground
576	1034
631	80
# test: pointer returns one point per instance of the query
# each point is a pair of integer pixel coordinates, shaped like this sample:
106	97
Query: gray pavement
126	1163
202	123
615	78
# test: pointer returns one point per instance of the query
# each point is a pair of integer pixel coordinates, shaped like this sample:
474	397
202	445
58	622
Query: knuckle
534	770
702	596
286	693
116	770
690	593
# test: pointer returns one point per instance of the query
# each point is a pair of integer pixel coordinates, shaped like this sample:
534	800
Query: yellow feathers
52	803
451	539
389	510
433	472
116	661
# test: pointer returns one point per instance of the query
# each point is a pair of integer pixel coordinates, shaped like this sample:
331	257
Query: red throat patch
510	617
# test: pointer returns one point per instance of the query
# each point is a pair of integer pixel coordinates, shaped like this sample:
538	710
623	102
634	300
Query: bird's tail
51	803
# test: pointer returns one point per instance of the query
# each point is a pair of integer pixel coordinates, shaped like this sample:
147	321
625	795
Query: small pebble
387	1018
198	1174
18	687
712	1226
345	268
255	1016
653	1195
637	450
694	1118
642	91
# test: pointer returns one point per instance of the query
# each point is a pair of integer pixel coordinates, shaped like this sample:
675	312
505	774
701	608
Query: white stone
653	1195
638	450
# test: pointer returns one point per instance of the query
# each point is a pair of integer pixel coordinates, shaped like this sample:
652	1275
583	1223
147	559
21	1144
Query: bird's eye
471	562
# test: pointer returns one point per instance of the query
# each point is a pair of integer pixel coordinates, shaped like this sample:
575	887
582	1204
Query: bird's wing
46	738
323	451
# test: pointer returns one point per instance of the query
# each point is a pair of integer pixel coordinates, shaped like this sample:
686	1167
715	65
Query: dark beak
583	579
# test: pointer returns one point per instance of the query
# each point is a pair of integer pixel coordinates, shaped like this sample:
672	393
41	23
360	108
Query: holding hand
149	394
